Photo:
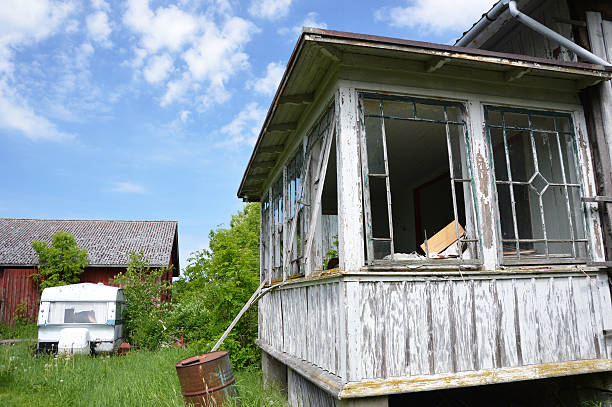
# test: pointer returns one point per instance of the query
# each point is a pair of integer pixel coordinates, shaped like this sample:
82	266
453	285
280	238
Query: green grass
140	378
18	331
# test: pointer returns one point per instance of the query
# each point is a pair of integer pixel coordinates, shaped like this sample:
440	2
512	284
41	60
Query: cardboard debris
443	239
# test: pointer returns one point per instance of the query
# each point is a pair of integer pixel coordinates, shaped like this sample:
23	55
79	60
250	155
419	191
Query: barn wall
16	288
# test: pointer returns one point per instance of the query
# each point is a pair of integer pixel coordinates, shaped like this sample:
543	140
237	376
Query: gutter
499	8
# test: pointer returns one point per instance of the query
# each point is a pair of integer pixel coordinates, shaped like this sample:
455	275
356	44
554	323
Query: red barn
108	243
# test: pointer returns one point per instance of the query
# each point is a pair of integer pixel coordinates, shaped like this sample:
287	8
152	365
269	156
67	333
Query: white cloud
435	15
16	115
245	126
167	27
23	23
270	9
268	84
158	68
185	115
202	50
129	187
309	21
98	28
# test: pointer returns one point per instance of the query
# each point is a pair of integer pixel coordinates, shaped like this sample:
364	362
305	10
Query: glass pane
549	162
494	117
521	156
430	112
542	122
374	145
560	249
527	211
371	106
576	208
78	312
504	204
569	158
378	205
398	109
499	154
512	119
555	213
509	249
382	248
564	124
454	114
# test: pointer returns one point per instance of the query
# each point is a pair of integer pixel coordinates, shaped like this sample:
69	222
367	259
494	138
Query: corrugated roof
108	242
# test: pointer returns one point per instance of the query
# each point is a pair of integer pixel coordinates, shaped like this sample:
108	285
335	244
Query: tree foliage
144	313
60	263
217	283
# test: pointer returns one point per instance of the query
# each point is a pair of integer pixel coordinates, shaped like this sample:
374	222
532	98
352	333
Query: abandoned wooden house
430	214
108	244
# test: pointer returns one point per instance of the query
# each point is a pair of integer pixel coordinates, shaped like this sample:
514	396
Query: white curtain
78	312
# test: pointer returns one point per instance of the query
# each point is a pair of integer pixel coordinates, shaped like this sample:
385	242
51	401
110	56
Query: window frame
466	140
580	163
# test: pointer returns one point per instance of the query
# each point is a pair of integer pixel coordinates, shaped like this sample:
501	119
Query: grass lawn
140	378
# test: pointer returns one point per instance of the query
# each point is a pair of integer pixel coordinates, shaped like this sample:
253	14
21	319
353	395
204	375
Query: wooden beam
587	82
277	149
330	52
265	164
258	177
516	73
435	63
305	99
281	127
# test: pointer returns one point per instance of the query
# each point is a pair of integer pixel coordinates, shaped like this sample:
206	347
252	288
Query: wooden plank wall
301	392
427	326
303	322
523	40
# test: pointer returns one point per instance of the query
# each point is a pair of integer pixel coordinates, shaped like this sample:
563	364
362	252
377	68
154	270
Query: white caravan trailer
80	318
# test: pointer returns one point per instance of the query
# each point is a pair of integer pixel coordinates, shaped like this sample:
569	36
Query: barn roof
108	242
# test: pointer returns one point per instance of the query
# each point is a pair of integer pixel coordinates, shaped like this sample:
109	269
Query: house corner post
350	208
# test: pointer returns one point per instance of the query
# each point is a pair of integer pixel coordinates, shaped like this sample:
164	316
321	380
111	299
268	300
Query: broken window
277	229
295	211
537	185
321	152
417	180
288	210
265	237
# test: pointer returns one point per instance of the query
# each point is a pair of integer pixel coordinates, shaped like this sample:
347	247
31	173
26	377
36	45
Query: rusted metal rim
208	390
205	357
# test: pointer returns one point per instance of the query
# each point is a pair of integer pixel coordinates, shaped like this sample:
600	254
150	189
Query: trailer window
78	312
537	185
417	181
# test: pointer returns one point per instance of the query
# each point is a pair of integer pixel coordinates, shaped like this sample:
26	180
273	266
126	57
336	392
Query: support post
350	209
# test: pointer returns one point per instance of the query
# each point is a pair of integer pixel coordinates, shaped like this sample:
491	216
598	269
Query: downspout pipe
485	20
499	8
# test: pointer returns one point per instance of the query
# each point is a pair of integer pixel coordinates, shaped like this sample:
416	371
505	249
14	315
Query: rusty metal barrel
207	379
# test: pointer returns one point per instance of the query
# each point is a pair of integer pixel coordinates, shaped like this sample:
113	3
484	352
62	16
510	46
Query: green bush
216	284
61	263
145	312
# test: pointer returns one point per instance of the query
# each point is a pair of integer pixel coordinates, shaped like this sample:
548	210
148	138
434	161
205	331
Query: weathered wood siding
303	322
302	393
523	40
440	325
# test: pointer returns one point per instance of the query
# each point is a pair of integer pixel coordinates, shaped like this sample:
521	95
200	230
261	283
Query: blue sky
149	110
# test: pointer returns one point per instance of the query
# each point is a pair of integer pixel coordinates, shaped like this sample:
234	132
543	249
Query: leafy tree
145	312
61	263
217	283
